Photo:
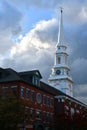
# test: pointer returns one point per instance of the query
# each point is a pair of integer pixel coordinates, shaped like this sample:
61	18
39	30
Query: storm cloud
9	26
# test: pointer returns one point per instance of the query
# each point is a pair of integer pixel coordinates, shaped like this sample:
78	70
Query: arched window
59	60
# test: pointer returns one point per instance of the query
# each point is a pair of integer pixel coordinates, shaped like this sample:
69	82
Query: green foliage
10	112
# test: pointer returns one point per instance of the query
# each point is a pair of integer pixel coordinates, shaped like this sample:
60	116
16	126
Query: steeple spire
61	30
60	77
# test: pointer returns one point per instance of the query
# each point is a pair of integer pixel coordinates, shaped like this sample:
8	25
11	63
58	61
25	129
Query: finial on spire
61	9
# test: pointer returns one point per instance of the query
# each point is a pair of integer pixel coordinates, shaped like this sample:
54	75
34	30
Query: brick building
70	113
38	101
45	106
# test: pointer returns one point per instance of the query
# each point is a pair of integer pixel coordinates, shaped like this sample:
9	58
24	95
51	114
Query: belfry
60	77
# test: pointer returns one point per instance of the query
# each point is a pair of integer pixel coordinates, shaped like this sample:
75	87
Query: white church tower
60	75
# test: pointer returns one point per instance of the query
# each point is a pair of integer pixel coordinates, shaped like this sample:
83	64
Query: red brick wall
48	110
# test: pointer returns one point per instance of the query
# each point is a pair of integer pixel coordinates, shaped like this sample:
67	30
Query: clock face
58	72
38	98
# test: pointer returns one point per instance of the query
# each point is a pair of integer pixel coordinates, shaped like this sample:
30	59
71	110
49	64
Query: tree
10	111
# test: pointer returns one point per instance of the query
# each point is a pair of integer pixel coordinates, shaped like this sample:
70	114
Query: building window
67	72
62	100
36	81
5	92
65	59
21	106
22	92
48	101
77	111
32	95
31	114
66	108
51	102
51	118
59	60
44	100
62	71
44	116
59	48
14	90
48	117
72	111
27	93
38	114
38	98
26	113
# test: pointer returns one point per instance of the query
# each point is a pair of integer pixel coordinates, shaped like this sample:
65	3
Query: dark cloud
77	43
79	72
9	17
10	25
80	92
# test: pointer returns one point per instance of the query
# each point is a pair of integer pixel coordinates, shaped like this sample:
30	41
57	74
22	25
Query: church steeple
61	30
60	75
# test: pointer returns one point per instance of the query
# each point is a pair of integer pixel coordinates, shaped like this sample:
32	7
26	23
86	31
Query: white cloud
83	14
31	41
30	52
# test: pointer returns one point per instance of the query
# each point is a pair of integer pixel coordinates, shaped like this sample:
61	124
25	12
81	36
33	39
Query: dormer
36	78
33	77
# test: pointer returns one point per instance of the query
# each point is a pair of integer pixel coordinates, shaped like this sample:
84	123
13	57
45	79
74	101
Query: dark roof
50	89
27	76
9	74
33	72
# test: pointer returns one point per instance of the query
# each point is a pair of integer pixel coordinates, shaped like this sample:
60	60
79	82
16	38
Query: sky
28	37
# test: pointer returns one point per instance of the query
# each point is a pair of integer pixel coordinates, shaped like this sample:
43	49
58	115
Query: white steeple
60	75
61	30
